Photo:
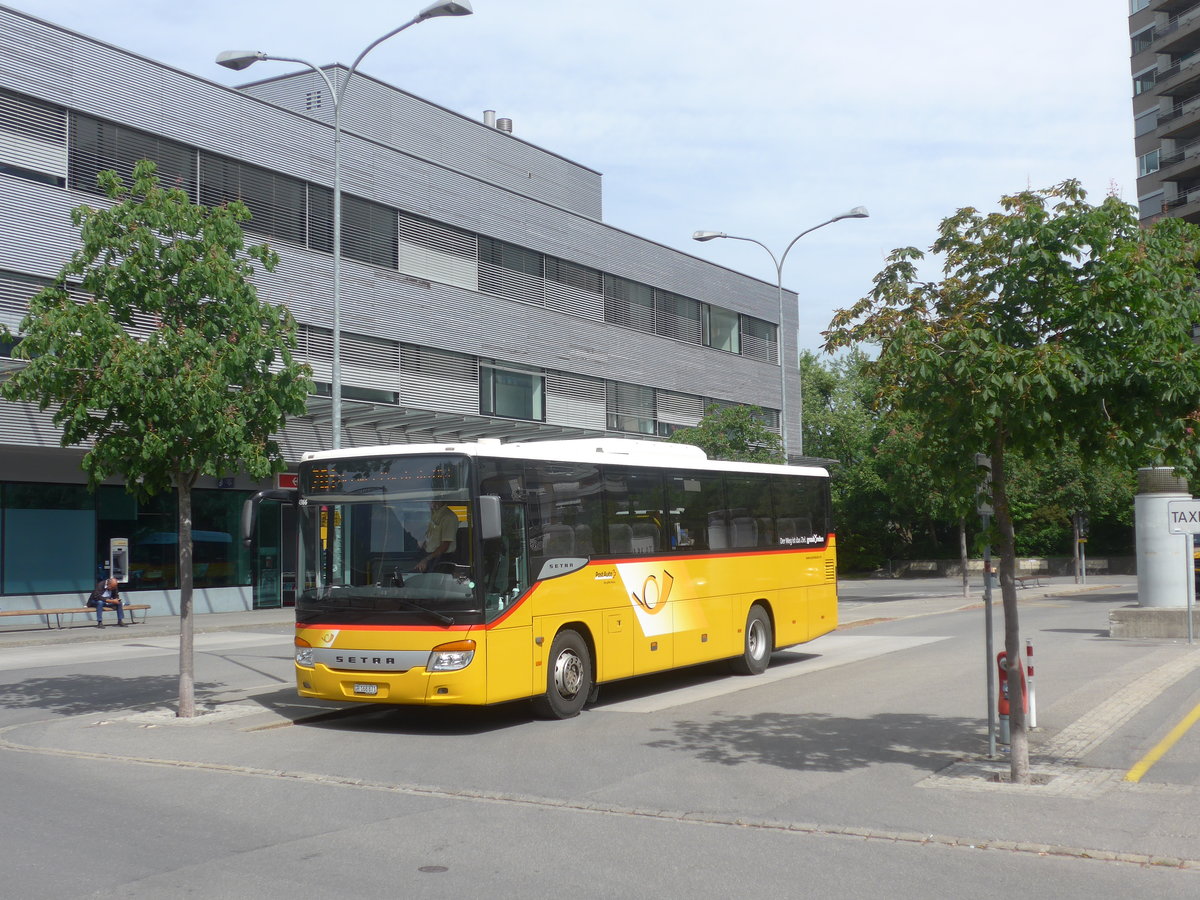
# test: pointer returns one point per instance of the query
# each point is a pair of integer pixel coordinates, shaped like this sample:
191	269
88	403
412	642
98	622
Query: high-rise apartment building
1165	65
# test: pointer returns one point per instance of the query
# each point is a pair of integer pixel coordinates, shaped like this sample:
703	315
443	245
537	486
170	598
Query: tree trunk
962	556
187	677
1019	738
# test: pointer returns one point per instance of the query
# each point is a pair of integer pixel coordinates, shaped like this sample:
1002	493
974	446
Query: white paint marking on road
108	651
837	649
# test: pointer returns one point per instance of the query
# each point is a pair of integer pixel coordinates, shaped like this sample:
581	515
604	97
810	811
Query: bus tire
759	642
568	677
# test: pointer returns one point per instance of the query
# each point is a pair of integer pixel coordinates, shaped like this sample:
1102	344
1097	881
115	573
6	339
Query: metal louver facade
449	257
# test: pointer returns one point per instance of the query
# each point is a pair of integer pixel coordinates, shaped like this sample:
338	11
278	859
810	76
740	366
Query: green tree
733	433
1055	320
152	344
841	424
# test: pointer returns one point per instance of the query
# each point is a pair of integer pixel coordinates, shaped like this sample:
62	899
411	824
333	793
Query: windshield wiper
433	614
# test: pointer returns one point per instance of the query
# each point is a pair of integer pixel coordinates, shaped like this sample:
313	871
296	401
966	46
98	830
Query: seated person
107	596
440	535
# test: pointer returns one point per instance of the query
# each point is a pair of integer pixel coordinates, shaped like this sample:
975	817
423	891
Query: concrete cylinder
1164	560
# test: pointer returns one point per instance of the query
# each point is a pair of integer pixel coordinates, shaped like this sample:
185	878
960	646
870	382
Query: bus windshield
388	541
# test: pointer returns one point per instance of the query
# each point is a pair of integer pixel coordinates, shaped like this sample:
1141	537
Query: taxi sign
1183	516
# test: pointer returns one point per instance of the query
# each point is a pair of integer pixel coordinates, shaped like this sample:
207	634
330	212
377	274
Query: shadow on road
78	694
823	743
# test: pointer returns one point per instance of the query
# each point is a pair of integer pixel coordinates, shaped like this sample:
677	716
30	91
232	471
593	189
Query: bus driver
440	535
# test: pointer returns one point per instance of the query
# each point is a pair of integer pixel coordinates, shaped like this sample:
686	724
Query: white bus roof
626	451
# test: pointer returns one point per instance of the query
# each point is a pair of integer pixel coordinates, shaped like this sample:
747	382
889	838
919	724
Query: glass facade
55	538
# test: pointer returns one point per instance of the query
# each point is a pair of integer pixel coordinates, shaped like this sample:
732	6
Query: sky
759	118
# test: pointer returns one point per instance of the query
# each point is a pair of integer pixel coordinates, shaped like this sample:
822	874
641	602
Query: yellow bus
575	563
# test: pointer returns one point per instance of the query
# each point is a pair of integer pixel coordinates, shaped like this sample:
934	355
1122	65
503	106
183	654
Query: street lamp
859	212
241	59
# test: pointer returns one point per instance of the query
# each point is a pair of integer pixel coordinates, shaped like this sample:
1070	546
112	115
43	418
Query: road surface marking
1143	766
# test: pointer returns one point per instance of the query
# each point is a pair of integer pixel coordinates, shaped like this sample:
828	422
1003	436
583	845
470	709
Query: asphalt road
853	768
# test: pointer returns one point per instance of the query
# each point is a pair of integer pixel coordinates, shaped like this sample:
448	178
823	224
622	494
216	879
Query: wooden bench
131	608
1023	581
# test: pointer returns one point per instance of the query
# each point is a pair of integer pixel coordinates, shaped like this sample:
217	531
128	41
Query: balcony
1171	6
1181	164
1181	34
1182	122
1185	207
1182	78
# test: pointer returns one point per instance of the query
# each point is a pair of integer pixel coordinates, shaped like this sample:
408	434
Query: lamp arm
778	262
371	46
802	234
314	67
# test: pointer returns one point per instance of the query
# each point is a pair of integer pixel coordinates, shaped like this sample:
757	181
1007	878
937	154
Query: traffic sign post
1183	517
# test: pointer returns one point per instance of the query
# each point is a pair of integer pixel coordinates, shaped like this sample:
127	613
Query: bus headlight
304	653
451	657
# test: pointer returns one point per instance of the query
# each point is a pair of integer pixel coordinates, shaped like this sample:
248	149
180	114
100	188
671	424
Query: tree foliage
733	433
152	344
1055	323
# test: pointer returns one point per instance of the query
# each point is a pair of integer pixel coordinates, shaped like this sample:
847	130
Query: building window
1141	40
512	272
721	331
33	139
628	303
679	317
512	392
631	408
510	256
1148	163
1137	5
34	564
369	232
1145	122
759	339
277	203
1151	205
1145	80
97	146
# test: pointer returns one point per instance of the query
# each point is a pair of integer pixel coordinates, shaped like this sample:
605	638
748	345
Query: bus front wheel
759	642
568	677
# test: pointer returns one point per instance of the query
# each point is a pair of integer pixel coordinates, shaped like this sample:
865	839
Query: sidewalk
906	597
83	628
869	601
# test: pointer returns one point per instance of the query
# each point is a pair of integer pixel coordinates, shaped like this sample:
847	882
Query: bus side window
635	500
696	501
750	505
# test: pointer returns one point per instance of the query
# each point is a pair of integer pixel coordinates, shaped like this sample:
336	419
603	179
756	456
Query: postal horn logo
654	596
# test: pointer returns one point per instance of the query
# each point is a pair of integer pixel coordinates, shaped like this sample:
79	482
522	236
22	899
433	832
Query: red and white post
1032	723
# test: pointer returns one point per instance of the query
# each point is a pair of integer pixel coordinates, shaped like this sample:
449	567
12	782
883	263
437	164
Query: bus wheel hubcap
756	640
568	674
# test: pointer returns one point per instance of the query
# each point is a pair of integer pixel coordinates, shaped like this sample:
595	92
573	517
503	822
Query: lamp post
241	59
859	212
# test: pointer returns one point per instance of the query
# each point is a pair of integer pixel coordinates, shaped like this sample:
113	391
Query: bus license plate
366	689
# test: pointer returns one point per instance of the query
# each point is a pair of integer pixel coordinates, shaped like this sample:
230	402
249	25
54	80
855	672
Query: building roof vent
489	118
504	125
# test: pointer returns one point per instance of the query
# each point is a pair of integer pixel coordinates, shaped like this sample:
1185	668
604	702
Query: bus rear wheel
568	678
759	642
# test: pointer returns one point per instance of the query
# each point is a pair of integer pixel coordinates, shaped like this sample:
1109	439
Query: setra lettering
366	660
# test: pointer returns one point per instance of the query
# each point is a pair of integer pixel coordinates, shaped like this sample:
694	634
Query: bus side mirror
250	509
489	517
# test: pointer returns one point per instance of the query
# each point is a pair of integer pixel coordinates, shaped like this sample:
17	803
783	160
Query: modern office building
1165	64
483	294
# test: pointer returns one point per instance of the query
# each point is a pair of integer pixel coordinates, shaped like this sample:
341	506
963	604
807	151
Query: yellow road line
1143	766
